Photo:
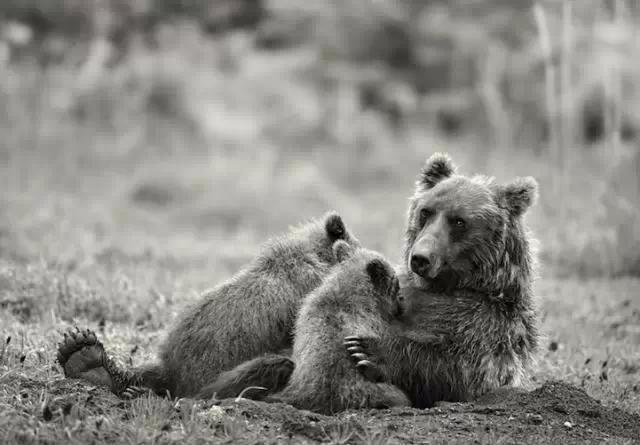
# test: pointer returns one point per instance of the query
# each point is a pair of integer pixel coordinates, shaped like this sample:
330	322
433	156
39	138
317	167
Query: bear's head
467	232
326	232
369	275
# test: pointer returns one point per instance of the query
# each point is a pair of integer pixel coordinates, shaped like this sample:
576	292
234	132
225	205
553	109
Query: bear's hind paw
79	351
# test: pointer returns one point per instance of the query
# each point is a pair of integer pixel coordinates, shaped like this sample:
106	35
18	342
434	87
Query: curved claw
370	371
355	340
133	392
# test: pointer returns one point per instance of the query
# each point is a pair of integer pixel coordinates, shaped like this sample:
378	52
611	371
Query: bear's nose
420	264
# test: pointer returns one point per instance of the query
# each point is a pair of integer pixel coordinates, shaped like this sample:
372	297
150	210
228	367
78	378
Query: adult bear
470	326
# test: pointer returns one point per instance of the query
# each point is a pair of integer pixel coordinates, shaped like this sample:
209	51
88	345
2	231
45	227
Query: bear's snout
420	264
427	265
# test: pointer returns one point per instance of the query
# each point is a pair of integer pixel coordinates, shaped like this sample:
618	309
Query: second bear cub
359	298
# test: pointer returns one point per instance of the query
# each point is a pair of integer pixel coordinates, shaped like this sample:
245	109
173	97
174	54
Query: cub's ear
342	250
334	226
518	195
381	274
438	167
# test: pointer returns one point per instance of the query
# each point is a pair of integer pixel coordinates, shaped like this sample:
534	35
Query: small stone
215	413
568	425
536	419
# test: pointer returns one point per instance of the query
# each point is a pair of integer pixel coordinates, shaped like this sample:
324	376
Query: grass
127	190
590	330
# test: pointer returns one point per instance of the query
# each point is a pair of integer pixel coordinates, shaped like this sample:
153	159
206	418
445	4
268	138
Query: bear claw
370	371
357	348
133	392
355	340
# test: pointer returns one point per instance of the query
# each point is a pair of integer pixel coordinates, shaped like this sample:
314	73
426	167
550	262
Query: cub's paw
79	352
253	379
359	349
275	372
82	356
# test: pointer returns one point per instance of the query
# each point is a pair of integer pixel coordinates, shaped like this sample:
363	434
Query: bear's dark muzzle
420	264
428	267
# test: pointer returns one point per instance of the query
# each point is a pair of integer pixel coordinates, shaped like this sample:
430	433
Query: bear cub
249	315
361	297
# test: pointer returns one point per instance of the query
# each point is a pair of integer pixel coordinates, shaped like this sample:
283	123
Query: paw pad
75	341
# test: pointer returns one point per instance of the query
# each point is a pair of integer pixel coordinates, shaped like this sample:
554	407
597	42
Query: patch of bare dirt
555	412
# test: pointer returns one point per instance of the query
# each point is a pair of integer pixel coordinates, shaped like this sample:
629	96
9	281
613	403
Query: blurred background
148	147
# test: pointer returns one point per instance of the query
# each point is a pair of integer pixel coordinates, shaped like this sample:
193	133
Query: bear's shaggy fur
359	298
468	268
251	314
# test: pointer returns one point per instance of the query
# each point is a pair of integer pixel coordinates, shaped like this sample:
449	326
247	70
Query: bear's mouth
445	281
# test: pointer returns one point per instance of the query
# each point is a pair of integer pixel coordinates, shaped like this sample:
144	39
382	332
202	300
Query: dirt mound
556	412
561	400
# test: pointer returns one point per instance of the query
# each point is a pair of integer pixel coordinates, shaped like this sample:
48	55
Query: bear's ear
380	273
518	195
334	226
438	167
342	250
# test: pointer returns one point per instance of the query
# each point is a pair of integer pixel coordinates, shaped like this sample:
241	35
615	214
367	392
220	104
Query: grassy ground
123	195
120	246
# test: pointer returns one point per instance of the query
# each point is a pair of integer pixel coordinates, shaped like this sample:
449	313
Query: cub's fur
471	325
251	314
360	297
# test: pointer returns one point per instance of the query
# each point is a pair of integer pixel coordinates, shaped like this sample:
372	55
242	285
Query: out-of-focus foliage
334	103
466	64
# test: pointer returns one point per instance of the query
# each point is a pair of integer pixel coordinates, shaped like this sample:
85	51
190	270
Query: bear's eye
425	214
457	222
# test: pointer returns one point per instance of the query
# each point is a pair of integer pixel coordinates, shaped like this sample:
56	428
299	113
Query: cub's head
467	232
328	230
366	274
311	242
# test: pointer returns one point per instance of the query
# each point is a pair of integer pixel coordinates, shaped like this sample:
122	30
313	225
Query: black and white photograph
327	221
